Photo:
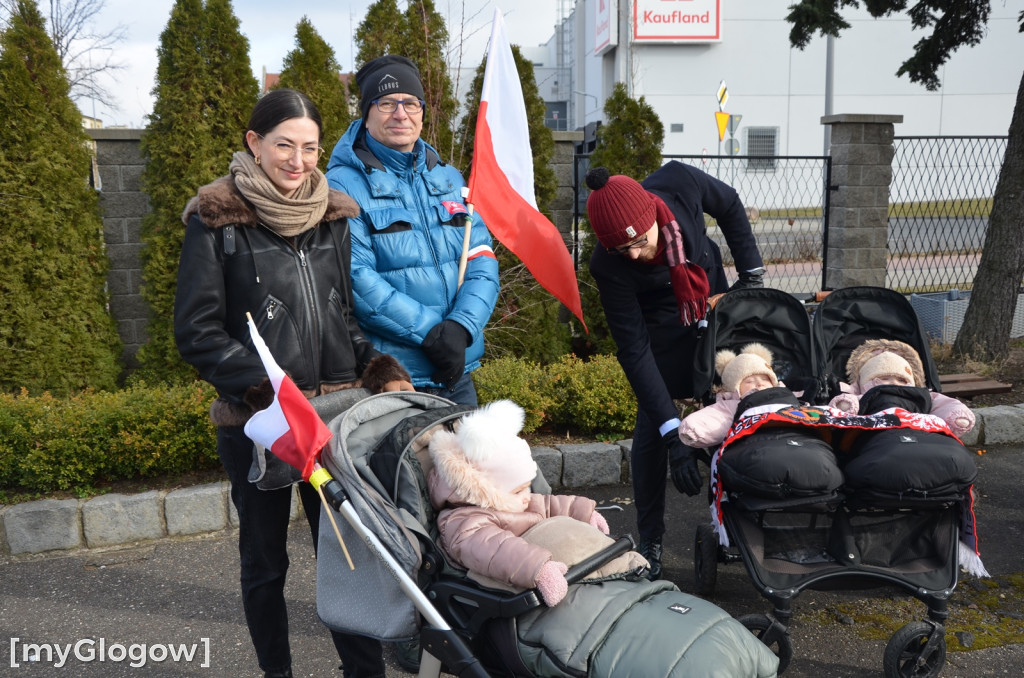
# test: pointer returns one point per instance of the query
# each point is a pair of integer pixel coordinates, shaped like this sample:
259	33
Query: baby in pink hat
480	483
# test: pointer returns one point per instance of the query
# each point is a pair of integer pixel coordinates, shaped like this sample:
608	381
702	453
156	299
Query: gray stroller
401	585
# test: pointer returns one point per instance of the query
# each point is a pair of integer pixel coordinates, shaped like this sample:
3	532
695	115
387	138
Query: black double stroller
381	573
899	514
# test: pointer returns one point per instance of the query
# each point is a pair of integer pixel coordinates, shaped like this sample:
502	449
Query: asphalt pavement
125	612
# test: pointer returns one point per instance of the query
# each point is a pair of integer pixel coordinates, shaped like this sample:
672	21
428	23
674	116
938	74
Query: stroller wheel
773	634
705	560
918	650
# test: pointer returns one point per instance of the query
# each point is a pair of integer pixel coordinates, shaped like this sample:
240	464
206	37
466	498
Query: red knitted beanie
619	209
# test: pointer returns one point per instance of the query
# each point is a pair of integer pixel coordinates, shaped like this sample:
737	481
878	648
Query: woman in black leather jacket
271	239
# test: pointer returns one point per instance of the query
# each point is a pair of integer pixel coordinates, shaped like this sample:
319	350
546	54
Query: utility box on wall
942	314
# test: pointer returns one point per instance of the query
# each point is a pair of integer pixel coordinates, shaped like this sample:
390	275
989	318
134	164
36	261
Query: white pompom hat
484	460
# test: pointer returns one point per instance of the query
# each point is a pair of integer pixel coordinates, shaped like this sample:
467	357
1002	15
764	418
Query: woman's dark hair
279	105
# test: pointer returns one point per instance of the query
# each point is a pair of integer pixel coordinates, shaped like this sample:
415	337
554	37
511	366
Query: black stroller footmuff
778	462
909	467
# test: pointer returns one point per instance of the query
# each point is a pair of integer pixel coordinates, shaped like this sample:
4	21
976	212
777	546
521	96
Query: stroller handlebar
599	559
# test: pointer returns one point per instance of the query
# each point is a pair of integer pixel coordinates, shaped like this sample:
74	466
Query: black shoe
284	673
651	550
407	653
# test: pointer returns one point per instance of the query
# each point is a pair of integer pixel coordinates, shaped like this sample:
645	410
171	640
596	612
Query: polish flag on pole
290	427
501	180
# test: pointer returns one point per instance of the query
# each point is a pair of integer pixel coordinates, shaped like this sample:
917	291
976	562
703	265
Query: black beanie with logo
385	75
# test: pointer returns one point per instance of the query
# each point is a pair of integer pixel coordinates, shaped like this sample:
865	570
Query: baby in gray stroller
502	567
489	520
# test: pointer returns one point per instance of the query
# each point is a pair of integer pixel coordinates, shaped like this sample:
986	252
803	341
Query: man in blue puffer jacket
407	241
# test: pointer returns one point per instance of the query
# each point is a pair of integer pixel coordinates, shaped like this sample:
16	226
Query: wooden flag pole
464	258
337	532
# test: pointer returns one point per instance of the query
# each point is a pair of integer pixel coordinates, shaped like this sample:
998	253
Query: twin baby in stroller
835	461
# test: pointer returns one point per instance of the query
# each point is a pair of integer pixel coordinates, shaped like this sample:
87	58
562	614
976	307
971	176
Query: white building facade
691	59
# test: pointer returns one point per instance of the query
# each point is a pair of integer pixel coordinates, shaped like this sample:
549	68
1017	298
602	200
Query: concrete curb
59	526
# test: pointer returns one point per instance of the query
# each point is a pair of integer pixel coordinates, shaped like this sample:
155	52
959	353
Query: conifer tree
234	88
381	32
56	334
204	93
313	69
630	142
426	44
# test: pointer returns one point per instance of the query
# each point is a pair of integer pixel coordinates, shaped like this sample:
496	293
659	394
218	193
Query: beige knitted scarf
285	216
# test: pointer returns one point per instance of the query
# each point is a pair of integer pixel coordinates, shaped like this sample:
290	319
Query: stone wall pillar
862	152
119	163
562	163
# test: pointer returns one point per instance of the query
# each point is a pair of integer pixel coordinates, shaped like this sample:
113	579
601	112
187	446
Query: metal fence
787	204
939	203
940	198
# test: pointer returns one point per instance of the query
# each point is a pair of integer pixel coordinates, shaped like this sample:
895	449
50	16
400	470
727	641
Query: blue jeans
464	392
263	518
648	467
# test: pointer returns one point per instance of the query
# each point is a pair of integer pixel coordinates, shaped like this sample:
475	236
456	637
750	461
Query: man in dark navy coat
654	268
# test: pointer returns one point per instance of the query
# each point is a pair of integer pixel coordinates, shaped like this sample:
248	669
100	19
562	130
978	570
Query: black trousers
263	519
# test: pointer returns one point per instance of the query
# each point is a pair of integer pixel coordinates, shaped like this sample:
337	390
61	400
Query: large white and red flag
290	427
501	180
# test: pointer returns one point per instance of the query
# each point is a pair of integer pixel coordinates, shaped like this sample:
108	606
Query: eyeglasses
635	245
389	106
286	151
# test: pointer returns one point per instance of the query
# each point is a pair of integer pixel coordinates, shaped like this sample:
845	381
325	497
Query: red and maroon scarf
689	281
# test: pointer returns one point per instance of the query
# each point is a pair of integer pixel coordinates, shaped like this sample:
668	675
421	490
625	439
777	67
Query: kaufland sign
677	20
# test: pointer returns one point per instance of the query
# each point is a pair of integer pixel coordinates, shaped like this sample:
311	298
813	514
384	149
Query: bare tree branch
85	51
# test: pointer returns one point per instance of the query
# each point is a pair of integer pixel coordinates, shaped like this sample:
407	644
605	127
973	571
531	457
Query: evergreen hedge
76	443
49	443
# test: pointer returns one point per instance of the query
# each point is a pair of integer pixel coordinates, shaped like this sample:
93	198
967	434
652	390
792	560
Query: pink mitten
960	420
847	402
551	582
598	521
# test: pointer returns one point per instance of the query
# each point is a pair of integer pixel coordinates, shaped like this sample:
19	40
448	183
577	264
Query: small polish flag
290	428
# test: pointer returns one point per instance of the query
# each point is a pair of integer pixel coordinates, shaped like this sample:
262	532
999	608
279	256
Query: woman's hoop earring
257	159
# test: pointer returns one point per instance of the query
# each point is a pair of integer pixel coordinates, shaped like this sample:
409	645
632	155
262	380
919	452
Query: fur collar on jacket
455	481
220	203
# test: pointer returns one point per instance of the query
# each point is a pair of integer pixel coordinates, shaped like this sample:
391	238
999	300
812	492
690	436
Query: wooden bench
968	385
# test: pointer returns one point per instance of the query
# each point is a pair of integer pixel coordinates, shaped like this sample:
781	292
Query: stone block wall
862	153
119	164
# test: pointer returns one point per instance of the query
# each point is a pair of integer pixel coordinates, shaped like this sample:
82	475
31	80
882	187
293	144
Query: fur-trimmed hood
220	203
874	347
483	461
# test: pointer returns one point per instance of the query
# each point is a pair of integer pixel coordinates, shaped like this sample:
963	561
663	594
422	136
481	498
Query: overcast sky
270	27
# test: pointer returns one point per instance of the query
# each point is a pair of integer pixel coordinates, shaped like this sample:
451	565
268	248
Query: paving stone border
63	525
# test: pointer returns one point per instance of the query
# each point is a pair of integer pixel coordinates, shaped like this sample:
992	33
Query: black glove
445	346
682	463
749	280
